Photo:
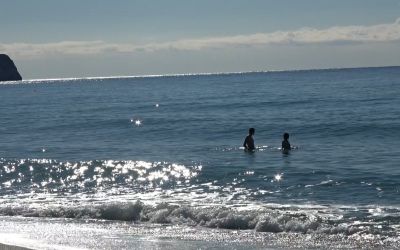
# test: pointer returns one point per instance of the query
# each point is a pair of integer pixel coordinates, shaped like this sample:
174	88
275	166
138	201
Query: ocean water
156	162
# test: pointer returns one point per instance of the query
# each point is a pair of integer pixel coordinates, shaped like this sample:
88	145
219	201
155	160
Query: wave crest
271	220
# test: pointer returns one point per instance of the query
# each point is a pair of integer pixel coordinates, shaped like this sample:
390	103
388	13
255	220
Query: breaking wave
326	220
169	193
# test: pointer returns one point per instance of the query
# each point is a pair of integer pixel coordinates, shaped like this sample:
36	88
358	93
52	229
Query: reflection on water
45	175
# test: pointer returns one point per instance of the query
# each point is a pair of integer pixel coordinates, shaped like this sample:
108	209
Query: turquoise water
166	149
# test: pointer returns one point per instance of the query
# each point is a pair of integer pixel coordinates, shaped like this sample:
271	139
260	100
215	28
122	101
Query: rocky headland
8	70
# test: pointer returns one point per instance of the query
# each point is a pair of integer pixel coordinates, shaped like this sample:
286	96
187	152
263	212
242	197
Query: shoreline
45	233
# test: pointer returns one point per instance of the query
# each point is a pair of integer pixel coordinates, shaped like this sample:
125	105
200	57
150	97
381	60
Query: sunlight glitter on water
278	177
87	175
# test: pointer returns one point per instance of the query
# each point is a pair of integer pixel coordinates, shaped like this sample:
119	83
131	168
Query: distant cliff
8	71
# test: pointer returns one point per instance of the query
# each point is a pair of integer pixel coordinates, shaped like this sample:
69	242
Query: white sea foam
263	219
99	234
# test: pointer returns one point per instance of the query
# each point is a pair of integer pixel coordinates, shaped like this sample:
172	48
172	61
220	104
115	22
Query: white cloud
334	35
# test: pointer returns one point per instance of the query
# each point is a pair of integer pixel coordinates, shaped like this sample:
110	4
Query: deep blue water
60	137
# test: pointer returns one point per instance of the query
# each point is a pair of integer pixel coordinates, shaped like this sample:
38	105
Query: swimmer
285	143
248	143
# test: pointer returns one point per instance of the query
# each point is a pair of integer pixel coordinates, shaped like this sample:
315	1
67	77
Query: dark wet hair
286	136
251	131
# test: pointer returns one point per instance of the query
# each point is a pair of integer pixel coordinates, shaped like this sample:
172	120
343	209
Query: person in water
285	143
248	143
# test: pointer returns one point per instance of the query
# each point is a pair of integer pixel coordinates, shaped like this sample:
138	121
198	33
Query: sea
156	162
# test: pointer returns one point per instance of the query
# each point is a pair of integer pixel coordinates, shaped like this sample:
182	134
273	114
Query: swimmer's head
252	131
286	136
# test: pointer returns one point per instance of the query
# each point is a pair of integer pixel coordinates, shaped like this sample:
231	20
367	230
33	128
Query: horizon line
191	74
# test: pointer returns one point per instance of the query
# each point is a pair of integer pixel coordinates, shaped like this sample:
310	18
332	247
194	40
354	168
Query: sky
95	38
